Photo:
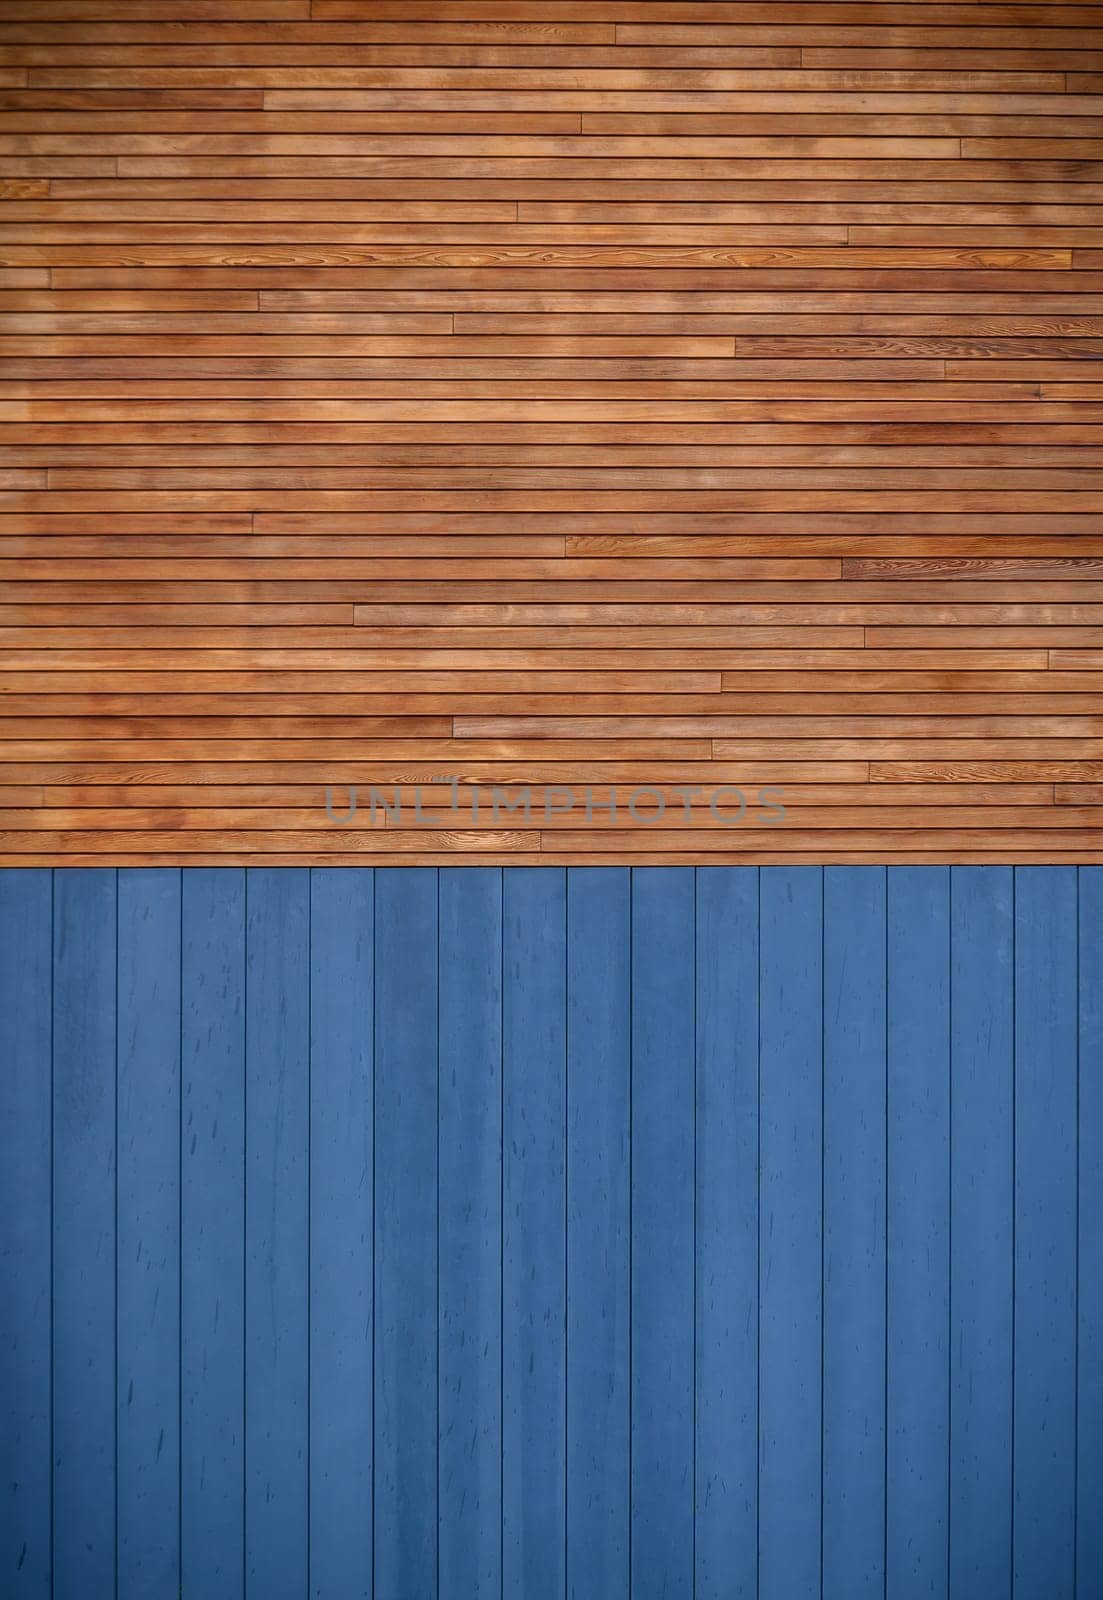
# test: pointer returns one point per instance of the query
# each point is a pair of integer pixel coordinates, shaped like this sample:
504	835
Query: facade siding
525	1232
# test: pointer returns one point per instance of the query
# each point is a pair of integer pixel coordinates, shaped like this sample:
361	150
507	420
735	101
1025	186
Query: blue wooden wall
540	1233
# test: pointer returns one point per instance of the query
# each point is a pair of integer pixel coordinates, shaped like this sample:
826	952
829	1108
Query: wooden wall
572	392
715	1234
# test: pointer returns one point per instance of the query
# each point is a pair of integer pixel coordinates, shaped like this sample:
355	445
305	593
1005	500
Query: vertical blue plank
84	1233
727	1233
981	1234
791	1260
470	1311
148	1237
534	1234
918	1230
25	1332
1045	1232
598	1023
570	1403
212	1235
1089	1429
276	1231
662	1230
854	1081
341	999
406	1233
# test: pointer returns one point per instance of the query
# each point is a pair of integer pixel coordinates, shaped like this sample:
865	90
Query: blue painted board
1044	1418
1089	1374
84	1387
148	1233
854	1131
982	1243
277	1104
405	1527
341	1223
790	1232
663	1103
726	1240
470	1234
534	1234
598	1204
212	1244
26	918
918	1242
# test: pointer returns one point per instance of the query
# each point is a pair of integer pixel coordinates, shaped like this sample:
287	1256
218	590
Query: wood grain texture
597	404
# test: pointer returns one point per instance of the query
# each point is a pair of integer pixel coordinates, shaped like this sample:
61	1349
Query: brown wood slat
598	394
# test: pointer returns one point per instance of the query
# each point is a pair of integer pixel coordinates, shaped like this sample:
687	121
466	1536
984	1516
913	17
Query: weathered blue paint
598	1213
26	988
662	1274
1043	1538
212	1234
406	1272
341	1228
707	1232
277	1260
534	1235
726	1234
469	1233
854	1161
917	1420
1089	1257
148	1233
85	1219
982	1223
789	1299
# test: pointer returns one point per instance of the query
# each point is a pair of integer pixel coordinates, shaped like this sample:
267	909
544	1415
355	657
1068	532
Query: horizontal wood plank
650	394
